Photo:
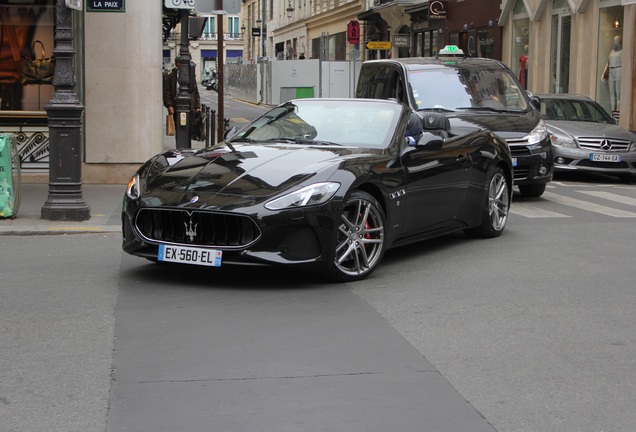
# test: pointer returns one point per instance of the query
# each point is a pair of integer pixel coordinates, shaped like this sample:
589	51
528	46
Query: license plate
190	255
596	157
514	162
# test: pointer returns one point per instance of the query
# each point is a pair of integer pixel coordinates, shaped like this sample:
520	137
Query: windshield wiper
436	108
301	141
484	108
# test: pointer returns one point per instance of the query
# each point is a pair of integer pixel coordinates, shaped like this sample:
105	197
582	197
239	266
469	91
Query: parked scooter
213	82
205	77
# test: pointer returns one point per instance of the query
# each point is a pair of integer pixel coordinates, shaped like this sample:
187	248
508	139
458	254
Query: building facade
566	46
552	45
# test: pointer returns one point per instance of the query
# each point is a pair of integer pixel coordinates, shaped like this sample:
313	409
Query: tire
495	213
532	190
359	239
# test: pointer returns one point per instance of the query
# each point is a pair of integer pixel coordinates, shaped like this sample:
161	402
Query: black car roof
565	96
414	62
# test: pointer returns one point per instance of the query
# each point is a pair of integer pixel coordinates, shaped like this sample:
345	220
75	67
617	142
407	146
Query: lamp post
183	99
243	28
64	110
259	24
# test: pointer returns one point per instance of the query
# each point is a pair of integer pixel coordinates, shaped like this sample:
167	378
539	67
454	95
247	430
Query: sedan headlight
562	140
538	134
132	190
315	194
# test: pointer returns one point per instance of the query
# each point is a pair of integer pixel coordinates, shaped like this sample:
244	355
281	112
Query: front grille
518	147
196	228
603	144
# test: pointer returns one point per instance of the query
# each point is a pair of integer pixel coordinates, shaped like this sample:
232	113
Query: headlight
538	134
315	194
132	190
562	140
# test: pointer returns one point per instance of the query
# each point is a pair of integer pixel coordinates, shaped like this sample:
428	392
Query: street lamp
290	10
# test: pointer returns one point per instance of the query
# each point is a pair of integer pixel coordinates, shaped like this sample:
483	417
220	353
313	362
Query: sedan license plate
190	255
599	157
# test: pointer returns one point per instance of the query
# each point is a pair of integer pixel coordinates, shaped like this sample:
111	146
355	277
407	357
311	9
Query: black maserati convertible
320	184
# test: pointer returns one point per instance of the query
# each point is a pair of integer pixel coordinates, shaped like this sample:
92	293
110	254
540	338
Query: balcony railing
176	37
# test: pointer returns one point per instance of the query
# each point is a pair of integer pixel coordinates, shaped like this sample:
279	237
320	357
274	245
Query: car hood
578	129
503	123
254	171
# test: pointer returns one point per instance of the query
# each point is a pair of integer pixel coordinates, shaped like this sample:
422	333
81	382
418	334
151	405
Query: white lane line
532	211
588	206
612	197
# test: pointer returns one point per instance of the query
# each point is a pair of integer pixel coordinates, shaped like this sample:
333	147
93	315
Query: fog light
560	160
543	170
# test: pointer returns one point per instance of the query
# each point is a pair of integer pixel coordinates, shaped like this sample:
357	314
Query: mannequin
612	74
523	69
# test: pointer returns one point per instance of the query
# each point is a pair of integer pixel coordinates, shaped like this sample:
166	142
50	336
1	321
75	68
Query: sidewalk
104	201
105	211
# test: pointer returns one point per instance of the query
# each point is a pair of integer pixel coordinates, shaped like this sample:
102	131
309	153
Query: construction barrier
10	178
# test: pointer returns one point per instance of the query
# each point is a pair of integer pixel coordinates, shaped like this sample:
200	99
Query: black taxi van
470	92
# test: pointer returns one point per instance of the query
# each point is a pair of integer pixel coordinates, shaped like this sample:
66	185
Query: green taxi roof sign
450	51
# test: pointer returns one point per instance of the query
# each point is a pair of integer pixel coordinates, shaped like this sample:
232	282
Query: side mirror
535	102
429	141
230	133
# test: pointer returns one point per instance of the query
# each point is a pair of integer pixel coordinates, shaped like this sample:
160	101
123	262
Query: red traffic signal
353	32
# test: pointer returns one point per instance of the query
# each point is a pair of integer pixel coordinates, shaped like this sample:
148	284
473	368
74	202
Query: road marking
587	206
532	211
612	197
240	120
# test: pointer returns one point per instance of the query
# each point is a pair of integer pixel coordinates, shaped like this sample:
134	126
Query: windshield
574	110
453	88
356	122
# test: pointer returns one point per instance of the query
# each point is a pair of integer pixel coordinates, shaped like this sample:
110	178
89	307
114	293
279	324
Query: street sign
353	32
179	4
378	45
105	6
74	4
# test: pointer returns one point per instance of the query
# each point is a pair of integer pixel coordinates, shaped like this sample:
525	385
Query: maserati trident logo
190	230
606	144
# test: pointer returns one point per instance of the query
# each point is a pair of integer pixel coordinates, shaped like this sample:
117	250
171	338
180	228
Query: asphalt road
533	331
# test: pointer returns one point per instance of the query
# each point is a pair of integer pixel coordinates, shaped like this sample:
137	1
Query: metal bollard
213	126
207	126
226	124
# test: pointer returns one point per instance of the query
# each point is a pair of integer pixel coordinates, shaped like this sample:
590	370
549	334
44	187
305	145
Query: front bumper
576	159
298	238
534	162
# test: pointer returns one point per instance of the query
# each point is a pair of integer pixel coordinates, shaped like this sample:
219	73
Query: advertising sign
353	32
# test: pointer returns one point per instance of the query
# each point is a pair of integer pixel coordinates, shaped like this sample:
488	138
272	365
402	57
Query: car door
437	184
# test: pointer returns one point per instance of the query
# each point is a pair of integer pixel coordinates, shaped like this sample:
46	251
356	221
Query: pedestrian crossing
567	200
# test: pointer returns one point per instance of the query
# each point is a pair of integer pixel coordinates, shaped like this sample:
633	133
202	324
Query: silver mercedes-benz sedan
585	137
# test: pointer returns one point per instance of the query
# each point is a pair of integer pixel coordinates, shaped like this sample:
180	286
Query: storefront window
609	58
486	43
26	33
560	46
520	40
